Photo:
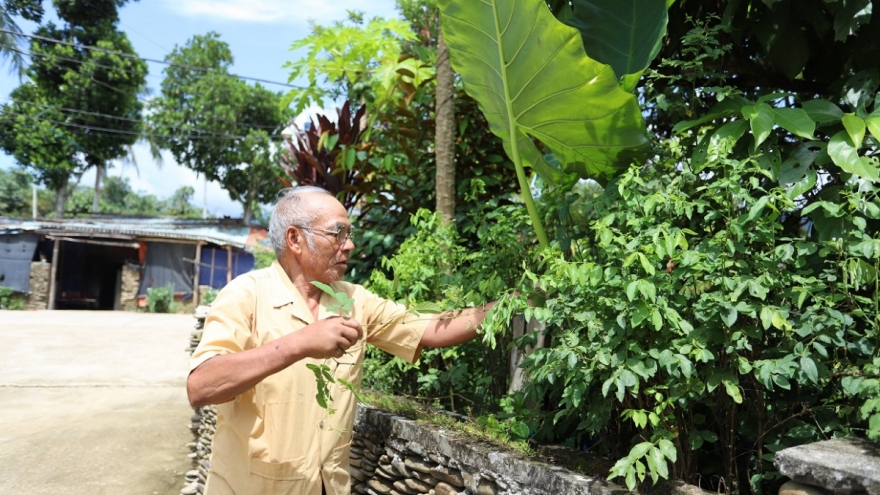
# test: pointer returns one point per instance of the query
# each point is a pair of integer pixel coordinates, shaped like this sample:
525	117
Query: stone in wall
842	466
131	279
38	287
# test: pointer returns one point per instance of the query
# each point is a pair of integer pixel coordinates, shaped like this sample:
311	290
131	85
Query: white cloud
281	11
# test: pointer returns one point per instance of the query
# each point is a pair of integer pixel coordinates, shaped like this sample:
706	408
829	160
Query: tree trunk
60	201
99	169
444	138
249	199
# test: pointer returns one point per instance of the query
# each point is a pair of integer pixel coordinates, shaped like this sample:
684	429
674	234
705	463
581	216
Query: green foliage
161	299
568	101
209	296
118	198
626	35
356	59
236	122
12	300
434	265
51	125
263	257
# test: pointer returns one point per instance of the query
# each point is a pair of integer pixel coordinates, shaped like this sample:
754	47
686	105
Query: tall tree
86	73
218	125
33	131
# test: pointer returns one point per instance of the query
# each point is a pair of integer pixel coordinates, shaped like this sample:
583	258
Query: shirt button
321	424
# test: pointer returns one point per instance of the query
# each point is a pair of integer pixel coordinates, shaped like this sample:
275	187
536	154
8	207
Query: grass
476	430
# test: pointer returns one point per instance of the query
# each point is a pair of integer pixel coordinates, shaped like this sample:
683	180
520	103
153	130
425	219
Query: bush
263	257
161	299
12	300
209	296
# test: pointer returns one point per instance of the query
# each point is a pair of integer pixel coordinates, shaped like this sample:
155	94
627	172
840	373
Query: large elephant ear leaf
625	34
531	77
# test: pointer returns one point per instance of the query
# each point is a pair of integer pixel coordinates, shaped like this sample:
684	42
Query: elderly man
264	328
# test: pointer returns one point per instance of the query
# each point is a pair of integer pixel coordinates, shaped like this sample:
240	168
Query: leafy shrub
263	257
433	265
161	299
209	296
11	300
704	323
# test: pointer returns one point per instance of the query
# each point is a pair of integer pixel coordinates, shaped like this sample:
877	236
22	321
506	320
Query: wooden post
53	273
196	292
228	264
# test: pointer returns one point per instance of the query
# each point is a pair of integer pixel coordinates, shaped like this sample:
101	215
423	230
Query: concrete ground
93	402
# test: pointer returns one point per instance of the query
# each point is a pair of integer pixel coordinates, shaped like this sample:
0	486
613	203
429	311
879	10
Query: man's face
327	258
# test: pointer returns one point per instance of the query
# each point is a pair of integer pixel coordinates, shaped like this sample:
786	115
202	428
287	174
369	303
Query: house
109	263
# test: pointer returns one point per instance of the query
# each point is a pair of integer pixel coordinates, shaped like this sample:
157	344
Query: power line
128	55
128	119
75	61
199	135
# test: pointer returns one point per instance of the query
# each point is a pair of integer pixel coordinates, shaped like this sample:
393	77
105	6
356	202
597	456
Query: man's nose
348	245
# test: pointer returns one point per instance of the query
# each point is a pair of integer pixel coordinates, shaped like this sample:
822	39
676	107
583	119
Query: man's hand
329	338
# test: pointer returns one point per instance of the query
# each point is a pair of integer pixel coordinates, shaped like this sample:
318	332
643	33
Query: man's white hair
290	211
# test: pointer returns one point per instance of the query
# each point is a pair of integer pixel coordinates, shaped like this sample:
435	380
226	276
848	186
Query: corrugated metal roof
221	232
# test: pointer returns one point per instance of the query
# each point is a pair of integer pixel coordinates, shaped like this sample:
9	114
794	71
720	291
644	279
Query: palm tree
10	42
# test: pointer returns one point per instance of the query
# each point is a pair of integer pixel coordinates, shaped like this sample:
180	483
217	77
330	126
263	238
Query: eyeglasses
340	235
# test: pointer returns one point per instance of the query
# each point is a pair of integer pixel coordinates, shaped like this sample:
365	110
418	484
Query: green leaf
648	290
843	152
625	34
668	449
531	78
796	121
729	315
849	17
873	125
778	320
631	290
767	317
659	463
757	208
639	314
808	366
855	127
656	319
807	183
639	450
427	307
646	264
822	111
761	118
733	391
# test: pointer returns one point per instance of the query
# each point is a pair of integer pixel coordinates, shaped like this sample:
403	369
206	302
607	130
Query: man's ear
294	240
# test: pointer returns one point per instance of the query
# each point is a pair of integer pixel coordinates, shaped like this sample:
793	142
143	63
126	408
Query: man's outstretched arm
454	327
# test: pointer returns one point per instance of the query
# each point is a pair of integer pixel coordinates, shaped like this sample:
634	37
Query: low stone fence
393	455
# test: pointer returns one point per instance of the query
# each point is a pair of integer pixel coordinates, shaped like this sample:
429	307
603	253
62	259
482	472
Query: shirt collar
284	293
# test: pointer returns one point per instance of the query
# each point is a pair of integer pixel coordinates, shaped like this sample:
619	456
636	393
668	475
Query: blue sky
259	33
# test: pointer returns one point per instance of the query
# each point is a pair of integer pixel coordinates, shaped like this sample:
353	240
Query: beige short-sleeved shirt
275	438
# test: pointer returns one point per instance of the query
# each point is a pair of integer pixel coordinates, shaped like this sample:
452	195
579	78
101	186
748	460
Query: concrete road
93	402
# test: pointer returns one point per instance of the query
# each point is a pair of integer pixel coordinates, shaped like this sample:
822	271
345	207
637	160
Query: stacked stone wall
38	286
131	279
